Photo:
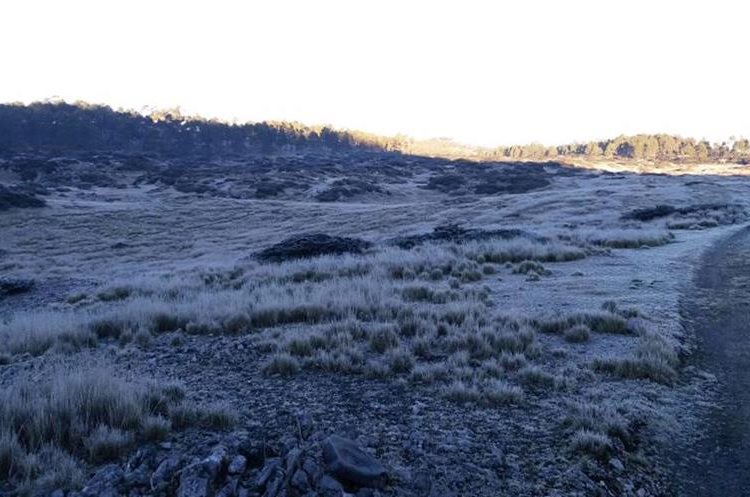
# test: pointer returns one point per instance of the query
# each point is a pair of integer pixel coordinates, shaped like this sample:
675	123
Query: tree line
661	147
56	126
85	127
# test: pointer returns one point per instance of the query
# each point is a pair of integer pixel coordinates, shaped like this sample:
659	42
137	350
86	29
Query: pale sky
481	72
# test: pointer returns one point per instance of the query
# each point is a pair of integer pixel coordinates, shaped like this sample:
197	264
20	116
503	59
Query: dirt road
718	309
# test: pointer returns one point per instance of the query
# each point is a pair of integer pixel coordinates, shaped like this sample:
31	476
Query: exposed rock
300	481
194	482
269	469
313	470
228	490
350	463
238	465
164	471
104	482
215	461
328	487
293	460
275	487
312	245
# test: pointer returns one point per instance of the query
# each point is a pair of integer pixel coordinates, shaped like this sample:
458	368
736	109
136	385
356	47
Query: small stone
165	470
300	482
313	470
215	460
305	424
270	468
193	482
104	482
328	487
293	460
350	463
228	490
616	464
276	487
237	465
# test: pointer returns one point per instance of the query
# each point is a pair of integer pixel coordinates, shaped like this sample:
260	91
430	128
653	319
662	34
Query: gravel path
718	464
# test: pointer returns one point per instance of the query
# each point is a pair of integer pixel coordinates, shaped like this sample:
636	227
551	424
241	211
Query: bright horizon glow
483	73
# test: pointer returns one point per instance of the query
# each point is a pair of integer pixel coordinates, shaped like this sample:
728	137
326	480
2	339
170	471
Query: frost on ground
537	352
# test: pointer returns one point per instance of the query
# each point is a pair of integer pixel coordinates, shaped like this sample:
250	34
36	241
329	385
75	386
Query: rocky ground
584	422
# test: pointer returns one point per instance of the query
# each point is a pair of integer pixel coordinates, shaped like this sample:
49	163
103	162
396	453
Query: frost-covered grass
377	287
47	428
623	238
655	358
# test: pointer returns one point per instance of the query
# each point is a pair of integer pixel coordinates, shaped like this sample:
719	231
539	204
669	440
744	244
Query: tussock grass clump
597	321
656	359
383	338
598	418
430	373
577	334
462	393
107	444
591	443
498	392
519	250
37	332
424	294
282	364
628	238
531	267
489	393
536	378
115	293
93	415
400	361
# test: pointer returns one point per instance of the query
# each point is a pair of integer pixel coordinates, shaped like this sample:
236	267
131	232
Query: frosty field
533	344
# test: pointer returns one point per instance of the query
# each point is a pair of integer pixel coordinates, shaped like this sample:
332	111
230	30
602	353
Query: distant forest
62	127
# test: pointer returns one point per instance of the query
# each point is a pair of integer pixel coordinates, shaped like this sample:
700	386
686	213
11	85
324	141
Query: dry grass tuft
93	415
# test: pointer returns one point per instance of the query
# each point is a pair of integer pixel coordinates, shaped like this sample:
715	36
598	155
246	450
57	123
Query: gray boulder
351	464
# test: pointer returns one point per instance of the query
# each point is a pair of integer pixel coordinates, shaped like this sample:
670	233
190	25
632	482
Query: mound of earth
312	245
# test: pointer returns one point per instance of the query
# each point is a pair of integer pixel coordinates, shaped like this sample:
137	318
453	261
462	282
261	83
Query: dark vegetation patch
15	286
312	245
346	188
457	234
10	198
665	210
490	179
